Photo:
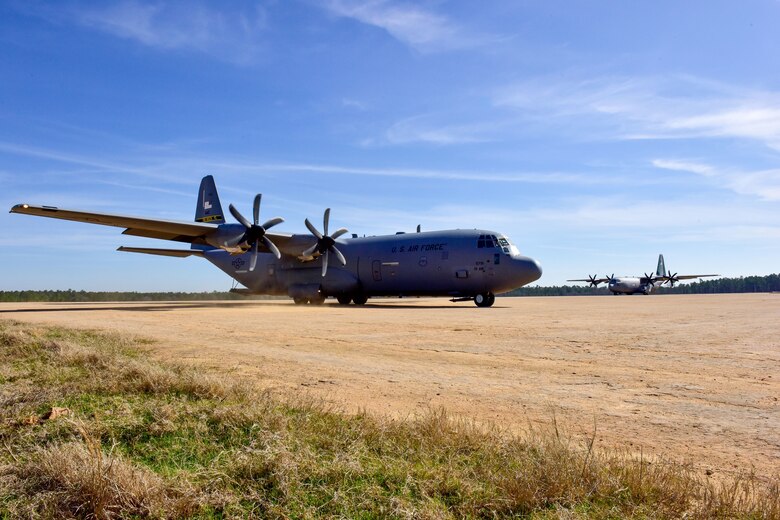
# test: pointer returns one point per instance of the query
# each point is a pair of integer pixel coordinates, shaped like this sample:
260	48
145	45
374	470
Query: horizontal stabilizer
181	253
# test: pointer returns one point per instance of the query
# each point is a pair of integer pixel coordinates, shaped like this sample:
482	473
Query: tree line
746	284
742	284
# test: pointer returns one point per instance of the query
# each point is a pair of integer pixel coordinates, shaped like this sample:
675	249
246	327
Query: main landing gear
485	299
358	299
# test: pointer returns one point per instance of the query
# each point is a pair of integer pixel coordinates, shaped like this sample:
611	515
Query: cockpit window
506	246
487	241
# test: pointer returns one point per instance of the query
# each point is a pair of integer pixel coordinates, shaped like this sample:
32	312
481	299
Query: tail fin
661	269
208	208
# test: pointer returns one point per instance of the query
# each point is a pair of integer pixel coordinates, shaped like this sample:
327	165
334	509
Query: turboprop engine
240	238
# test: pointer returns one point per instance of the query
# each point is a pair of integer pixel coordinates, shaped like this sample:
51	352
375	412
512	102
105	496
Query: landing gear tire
344	299
360	299
319	300
484	299
299	301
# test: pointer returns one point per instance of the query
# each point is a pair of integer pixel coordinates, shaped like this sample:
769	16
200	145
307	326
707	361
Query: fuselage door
376	270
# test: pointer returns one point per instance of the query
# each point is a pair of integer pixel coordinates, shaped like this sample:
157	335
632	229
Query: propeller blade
311	250
313	229
238	216
324	264
326	221
339	255
253	260
256	207
338	233
272	222
271	247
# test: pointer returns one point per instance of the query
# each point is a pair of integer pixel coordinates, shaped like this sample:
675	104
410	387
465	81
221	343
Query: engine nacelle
228	237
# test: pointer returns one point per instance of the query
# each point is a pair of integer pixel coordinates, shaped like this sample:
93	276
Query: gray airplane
640	284
462	264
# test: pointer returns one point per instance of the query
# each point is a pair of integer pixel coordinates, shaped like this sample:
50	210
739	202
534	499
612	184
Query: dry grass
147	440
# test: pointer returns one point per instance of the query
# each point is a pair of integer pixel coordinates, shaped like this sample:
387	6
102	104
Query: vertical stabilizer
661	270
208	208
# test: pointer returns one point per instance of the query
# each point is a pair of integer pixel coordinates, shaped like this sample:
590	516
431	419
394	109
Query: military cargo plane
640	284
461	264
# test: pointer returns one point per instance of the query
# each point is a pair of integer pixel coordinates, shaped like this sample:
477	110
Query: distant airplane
640	284
462	264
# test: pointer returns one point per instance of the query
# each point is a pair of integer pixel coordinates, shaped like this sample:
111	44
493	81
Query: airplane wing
592	280
688	276
136	226
180	253
178	231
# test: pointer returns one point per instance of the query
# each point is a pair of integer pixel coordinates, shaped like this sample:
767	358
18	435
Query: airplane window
480	244
503	241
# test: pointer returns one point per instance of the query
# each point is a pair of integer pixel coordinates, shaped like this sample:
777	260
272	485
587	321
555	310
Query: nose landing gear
485	299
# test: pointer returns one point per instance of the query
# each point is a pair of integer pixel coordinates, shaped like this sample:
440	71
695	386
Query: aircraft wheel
484	299
299	301
360	299
344	299
318	300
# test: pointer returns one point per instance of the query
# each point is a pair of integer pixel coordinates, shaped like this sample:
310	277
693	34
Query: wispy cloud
464	175
96	164
650	108
232	35
354	103
421	29
152	167
428	129
762	183
684	166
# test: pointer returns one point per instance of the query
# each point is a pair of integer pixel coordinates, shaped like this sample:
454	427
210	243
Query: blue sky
594	134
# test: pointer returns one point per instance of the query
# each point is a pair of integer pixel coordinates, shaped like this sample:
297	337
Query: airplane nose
530	270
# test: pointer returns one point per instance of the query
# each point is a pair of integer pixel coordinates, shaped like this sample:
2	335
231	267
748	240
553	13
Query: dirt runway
694	378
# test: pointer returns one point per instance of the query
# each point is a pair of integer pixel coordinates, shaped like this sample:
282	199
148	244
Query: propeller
593	280
672	279
255	233
325	243
650	279
610	278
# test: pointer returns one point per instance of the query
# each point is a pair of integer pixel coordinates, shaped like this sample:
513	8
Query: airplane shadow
170	306
370	305
132	307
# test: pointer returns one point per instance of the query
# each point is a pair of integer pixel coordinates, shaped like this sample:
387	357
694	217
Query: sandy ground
691	378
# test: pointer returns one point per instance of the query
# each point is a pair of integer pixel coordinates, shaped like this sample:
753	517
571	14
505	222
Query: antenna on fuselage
418	228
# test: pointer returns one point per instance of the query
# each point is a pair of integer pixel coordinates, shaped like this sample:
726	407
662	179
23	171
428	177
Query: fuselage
629	285
457	263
